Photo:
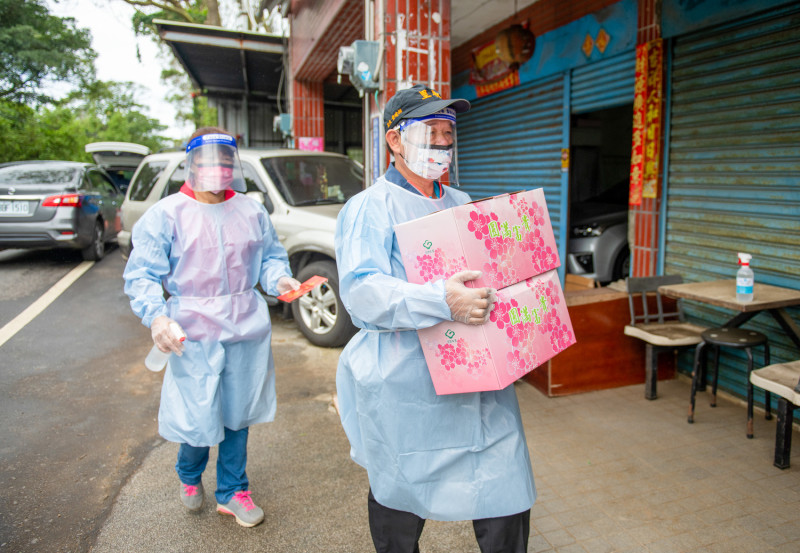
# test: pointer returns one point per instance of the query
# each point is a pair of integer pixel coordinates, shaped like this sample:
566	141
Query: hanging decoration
600	42
487	65
647	115
514	45
495	65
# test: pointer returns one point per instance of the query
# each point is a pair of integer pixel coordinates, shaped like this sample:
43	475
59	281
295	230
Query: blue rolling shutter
512	141
734	165
603	84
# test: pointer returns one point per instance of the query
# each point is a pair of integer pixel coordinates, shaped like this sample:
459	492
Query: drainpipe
366	118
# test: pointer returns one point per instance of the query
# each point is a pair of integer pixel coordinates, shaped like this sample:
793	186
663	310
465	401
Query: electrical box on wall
359	62
283	123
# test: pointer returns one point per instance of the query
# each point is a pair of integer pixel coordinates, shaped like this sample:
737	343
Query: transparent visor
214	166
429	144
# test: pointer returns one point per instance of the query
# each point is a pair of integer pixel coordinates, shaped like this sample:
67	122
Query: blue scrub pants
396	531
231	462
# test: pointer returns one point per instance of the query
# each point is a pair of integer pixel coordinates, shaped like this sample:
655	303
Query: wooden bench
783	380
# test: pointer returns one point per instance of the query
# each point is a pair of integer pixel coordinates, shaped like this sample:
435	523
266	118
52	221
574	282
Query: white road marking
34	309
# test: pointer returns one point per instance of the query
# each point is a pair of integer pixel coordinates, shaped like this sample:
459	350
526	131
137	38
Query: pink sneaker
247	513
192	496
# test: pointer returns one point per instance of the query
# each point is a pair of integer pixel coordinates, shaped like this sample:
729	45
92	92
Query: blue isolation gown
449	457
209	258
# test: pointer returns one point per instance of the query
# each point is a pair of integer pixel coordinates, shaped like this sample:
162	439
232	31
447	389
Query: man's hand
468	305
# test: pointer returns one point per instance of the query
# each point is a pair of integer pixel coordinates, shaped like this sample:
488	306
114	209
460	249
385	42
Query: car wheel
97	248
320	315
622	265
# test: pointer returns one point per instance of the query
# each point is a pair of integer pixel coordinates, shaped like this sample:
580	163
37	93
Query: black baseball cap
415	102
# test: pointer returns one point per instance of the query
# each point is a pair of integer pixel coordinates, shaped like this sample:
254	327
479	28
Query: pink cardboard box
508	237
529	325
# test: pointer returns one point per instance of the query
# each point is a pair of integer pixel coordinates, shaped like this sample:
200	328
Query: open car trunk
119	159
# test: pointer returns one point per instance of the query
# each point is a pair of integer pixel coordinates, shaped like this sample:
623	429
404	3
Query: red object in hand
304	289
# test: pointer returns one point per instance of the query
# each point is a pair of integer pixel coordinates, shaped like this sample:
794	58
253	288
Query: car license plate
14	209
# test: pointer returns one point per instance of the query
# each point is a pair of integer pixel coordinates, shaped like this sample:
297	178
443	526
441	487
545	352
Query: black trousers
398	531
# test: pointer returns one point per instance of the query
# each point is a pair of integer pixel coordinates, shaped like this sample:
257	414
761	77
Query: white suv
303	193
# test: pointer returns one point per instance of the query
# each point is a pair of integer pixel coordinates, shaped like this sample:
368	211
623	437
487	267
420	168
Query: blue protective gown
209	258
450	457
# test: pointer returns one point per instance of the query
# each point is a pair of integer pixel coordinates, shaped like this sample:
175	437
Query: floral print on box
522	327
515	246
529	325
435	265
460	355
508	238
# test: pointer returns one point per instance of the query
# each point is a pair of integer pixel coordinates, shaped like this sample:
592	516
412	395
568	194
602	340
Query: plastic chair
782	379
660	331
737	338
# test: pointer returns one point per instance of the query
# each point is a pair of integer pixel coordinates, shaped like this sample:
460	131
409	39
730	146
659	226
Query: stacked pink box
509	238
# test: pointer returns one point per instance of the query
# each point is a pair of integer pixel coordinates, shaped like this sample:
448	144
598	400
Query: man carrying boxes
510	240
460	456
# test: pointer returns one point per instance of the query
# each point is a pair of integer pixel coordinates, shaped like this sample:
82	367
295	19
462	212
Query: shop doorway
343	121
600	160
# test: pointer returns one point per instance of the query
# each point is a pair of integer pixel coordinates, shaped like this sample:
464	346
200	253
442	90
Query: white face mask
429	163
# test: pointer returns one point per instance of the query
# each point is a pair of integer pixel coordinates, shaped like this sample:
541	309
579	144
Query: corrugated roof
224	62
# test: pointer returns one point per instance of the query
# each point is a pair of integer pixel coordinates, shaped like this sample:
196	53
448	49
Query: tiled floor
616	472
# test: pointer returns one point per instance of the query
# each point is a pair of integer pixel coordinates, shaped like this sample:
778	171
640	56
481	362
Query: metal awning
226	63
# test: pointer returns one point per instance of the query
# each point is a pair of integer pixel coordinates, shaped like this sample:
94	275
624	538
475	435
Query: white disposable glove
468	305
287	284
164	337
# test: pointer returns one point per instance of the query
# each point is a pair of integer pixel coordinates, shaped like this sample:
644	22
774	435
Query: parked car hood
327	210
594	212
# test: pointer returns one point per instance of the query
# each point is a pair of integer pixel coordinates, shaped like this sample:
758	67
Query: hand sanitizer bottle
156	360
744	279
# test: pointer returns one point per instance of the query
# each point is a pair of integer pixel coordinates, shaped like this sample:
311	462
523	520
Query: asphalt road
82	468
78	411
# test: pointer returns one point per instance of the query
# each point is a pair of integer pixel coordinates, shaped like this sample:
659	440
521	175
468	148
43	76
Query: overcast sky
109	21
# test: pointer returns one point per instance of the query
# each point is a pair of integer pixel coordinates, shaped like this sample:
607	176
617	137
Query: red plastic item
304	289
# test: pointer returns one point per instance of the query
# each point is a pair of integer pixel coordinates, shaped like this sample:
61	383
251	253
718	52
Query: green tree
191	106
37	47
18	129
110	111
104	111
248	15
185	11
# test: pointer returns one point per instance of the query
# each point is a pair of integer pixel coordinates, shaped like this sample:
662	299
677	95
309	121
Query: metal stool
733	338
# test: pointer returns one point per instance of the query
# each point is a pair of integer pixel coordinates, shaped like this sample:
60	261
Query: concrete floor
614	472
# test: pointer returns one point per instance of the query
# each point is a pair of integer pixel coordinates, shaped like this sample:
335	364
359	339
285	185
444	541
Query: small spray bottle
156	360
744	279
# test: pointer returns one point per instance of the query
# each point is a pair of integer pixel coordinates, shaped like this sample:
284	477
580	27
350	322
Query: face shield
213	164
429	143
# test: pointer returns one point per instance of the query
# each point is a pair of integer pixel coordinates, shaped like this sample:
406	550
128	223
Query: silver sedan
58	204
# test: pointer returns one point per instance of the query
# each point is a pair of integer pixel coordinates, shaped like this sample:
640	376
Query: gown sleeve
275	261
147	264
369	291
